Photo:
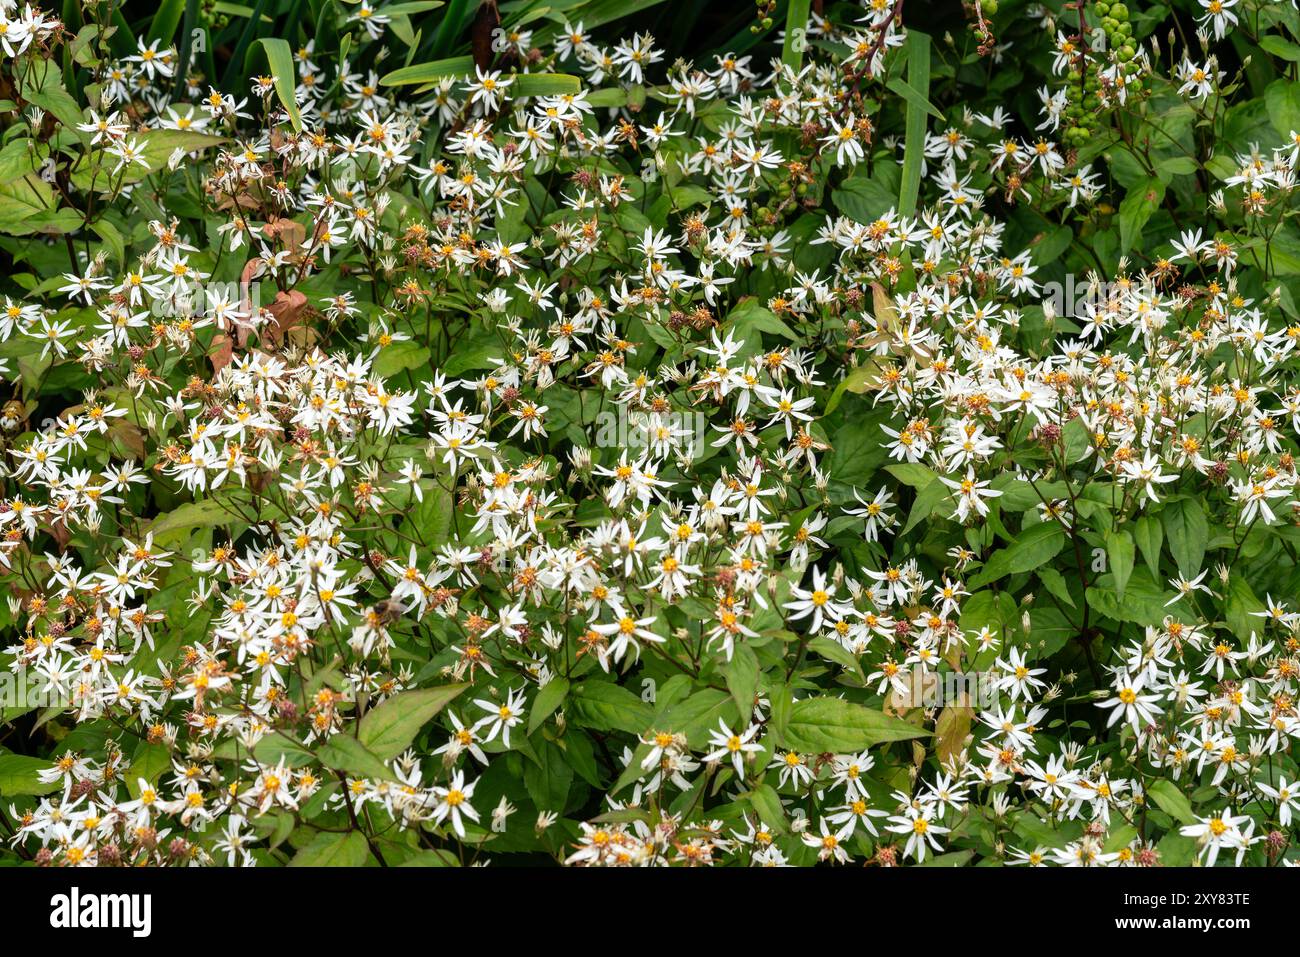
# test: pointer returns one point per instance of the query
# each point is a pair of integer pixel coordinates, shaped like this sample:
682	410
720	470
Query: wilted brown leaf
127	437
221	352
883	308
291	233
288	309
951	729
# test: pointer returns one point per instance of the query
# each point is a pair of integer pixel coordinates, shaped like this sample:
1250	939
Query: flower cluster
640	461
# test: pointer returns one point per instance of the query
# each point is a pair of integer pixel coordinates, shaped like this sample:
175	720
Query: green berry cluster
1083	114
212	17
1119	34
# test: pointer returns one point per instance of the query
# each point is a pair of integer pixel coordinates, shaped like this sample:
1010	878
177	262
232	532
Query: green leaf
863	198
1033	547
625	815
1120	551
1054	581
22	201
698	715
1239	606
742	679
1149	536
43	87
1141	201
605	706
20	156
400	356
751	317
832	650
274	748
1282	100
411	6
95	170
607	97
50	222
544	84
915	474
1281	47
825	724
184	519
1176	166
19	776
390	728
280	59
1187	529
549	779
149	763
431	858
112	238
342	752
1049	248
1143	602
549	697
930	498
767	803
328	849
633	771
1172	801
861	377
1049	630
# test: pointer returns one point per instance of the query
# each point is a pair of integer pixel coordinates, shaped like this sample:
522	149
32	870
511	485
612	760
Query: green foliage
641	432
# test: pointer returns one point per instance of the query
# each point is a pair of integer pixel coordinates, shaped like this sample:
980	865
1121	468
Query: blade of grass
183	54
918	79
166	20
428	72
544	84
455	20
597	13
280	57
796	33
913	96
251	29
